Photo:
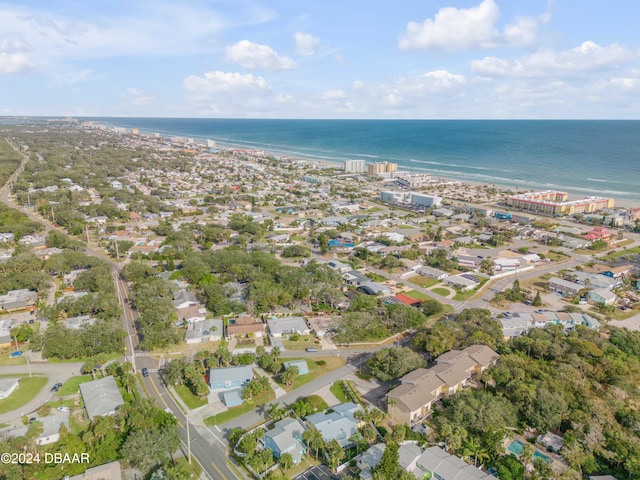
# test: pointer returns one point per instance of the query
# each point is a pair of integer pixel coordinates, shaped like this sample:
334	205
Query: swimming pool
515	447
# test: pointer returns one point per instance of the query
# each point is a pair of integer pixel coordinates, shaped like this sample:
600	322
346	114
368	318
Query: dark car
145	372
56	387
32	419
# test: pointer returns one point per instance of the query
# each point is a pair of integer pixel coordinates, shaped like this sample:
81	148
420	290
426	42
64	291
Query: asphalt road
55	372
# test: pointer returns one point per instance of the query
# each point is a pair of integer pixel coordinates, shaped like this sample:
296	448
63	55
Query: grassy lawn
189	399
338	392
235	412
443	292
621	253
317	402
26	391
69	402
416	295
71	386
423	282
315	370
302	342
375	277
463	296
6	360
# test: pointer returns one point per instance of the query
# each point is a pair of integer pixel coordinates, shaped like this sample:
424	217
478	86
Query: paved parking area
319	472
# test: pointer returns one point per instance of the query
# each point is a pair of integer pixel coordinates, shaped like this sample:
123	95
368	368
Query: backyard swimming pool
515	447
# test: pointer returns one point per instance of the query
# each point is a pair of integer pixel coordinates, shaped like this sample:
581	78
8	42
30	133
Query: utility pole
188	437
86	231
53	215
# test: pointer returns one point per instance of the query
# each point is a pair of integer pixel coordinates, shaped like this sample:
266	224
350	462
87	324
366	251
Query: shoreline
619	202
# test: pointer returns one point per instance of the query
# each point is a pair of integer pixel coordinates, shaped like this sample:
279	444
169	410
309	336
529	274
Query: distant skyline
437	59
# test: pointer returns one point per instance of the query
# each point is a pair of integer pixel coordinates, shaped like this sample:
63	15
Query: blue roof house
303	367
286	437
230	377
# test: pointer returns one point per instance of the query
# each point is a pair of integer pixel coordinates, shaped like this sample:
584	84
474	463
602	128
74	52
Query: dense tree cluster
266	283
152	296
471	326
141	434
579	384
391	363
368	318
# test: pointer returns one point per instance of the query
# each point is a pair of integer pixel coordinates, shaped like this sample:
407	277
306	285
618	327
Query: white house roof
101	397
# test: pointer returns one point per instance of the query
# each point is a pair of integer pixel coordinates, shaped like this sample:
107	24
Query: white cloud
332	95
455	29
217	82
306	43
15	63
139	98
588	57
258	57
129	28
471	28
358	84
442	78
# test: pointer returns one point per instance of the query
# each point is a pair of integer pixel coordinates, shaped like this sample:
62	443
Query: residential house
437	463
18	300
230	377
564	287
408	454
244	325
463	281
101	397
303	367
420	389
602	296
107	471
469	261
50	429
184	299
193	314
433	273
338	424
374	288
210	330
286	437
369	460
339	267
283	326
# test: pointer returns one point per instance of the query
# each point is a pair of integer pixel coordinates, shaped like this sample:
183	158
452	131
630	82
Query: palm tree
527	454
286	461
473	447
313	439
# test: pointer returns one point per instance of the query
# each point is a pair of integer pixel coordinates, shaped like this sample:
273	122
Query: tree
313	439
289	375
527	454
388	466
390	363
335	453
145	448
286	461
537	301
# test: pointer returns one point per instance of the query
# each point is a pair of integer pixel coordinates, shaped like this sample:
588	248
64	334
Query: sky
404	59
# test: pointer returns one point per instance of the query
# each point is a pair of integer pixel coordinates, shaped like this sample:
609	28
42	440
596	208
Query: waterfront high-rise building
355	166
558	203
378	168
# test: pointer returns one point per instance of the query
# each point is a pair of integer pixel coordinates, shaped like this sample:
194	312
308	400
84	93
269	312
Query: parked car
311	349
32	419
56	387
16	354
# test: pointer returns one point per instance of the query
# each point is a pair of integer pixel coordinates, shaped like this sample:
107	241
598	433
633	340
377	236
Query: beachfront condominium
380	168
355	166
557	203
427	201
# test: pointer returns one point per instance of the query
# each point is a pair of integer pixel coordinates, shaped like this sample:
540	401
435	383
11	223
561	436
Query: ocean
582	157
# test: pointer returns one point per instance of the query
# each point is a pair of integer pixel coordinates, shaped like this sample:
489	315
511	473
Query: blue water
516	446
583	157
